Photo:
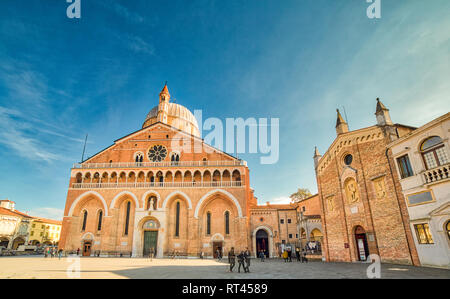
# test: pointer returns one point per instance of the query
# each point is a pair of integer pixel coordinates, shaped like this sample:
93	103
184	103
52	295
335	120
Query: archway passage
4	242
361	243
217	248
262	242
17	242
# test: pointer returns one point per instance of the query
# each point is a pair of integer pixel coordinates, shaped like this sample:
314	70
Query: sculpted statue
352	191
380	190
330	204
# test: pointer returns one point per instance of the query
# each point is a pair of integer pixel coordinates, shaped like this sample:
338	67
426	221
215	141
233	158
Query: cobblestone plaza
91	268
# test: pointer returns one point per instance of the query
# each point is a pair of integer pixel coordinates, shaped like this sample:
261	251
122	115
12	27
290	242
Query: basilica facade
162	189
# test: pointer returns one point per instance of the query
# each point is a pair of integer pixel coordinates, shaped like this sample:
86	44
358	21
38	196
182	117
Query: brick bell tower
163	106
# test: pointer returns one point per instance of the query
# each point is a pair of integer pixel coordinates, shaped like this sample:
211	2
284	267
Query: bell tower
163	106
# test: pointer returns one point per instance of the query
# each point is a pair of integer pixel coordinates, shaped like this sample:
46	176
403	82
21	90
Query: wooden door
87	248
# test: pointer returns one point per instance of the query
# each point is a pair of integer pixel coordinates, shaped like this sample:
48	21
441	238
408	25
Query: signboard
362	252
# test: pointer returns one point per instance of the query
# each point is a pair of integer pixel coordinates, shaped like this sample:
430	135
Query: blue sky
294	60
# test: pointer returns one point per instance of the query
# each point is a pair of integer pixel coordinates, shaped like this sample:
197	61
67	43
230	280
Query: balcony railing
437	174
147	185
159	164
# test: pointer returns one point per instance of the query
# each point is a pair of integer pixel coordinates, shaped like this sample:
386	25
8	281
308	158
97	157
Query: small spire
380	106
340	119
341	124
165	90
316	152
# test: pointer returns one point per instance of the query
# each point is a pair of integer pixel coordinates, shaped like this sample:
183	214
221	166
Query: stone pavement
91	267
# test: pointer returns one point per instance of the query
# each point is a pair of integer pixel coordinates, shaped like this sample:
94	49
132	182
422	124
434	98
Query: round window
157	153
348	159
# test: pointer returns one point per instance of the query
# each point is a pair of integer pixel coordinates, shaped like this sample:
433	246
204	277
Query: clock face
157	153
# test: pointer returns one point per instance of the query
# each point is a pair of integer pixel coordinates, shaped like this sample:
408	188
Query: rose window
157	153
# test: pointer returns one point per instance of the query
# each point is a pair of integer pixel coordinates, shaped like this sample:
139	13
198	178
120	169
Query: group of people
243	259
52	252
300	255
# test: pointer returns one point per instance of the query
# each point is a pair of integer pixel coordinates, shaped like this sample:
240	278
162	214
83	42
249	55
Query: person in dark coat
297	254
247	260
231	258
241	259
262	255
304	259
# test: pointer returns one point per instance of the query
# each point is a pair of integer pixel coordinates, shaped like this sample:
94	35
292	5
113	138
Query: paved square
91	267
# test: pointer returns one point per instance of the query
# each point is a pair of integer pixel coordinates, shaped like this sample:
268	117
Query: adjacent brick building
363	208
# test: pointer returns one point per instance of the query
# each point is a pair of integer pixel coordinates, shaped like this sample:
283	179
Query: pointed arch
82	196
136	201
171	195
221	191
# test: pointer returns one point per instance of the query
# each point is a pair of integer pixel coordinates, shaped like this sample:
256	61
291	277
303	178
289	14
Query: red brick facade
363	199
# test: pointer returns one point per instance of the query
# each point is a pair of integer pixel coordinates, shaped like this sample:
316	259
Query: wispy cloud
123	11
47	212
13	135
282	200
138	45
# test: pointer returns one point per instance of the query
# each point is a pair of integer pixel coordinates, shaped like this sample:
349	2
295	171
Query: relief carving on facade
351	191
380	188
330	203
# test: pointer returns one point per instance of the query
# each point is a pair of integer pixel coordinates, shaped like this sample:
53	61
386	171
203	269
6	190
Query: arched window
139	158
100	218
433	152
227	223
208	223
127	218
177	221
175	158
85	214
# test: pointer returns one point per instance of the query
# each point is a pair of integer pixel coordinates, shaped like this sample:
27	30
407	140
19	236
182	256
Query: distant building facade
423	166
363	209
44	231
14	225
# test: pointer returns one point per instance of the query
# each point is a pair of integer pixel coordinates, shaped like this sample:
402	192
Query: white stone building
422	161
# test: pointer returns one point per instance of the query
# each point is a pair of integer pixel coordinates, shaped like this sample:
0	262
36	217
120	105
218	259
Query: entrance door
361	244
87	248
262	242
217	245
150	241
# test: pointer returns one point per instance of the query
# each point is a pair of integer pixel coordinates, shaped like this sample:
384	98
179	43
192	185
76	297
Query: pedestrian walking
241	258
78	251
45	252
218	254
247	256
60	253
151	254
285	256
304	256
262	255
297	253
201	254
231	258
